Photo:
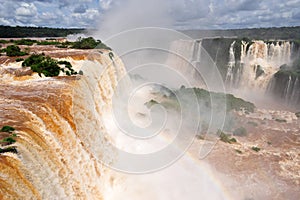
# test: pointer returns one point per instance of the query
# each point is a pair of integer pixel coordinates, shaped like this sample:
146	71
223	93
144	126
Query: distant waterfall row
243	64
257	64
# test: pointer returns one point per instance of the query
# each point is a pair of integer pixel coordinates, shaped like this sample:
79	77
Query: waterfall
60	133
291	92
288	89
196	51
181	52
259	61
246	67
185	57
231	65
295	94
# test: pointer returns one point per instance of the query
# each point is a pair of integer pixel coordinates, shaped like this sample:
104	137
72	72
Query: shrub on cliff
225	138
151	103
9	149
89	43
48	43
47	66
280	120
7	129
28	42
19	59
232	102
9	139
257	149
14	50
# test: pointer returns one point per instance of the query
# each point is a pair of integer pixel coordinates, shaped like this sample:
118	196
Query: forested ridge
275	33
22	32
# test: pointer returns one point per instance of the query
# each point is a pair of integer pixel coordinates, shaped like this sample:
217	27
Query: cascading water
295	94
62	125
193	62
59	133
231	64
260	61
287	91
246	66
197	47
184	54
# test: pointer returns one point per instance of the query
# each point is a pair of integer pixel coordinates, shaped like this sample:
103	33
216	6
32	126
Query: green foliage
89	43
7	129
33	59
232	102
67	68
241	131
47	66
274	33
62	46
252	123
233	140
9	149
8	140
151	103
19	59
292	70
22	32
4	41
11	138
200	137
280	120
225	138
238	151
13	50
28	42
255	149
203	101
111	55
48	43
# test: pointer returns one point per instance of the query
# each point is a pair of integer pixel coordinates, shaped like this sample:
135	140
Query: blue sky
183	14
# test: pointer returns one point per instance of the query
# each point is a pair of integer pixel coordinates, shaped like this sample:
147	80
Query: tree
8	129
14	50
47	66
89	43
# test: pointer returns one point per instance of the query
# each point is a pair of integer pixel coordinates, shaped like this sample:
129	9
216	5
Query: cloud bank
185	14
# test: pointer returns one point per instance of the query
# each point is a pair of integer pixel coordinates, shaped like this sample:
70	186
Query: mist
150	142
131	14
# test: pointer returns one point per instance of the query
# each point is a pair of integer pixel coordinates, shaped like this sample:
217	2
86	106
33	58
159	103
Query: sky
183	14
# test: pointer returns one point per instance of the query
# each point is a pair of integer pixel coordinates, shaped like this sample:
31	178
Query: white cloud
4	22
184	14
85	19
106	4
26	10
183	10
81	8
